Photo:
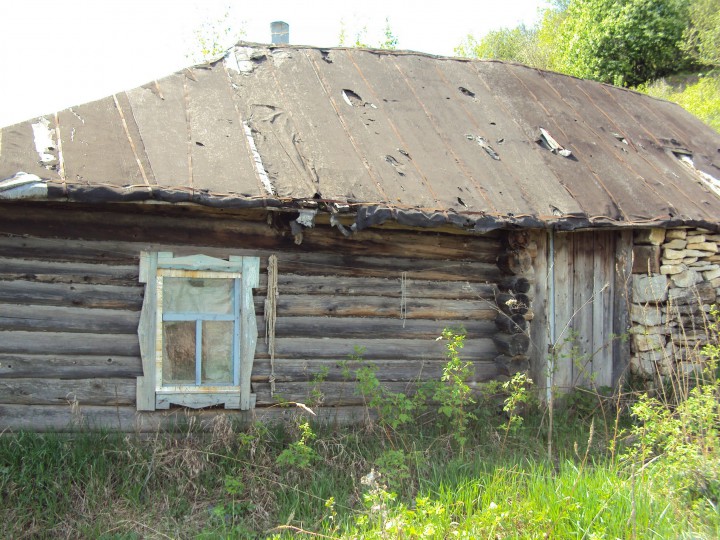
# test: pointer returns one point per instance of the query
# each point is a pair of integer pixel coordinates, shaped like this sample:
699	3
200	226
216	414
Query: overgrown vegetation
446	463
624	42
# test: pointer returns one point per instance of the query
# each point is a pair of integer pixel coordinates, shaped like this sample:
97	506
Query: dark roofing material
397	135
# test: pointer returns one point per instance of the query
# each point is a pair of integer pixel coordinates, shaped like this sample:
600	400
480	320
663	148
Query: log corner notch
513	299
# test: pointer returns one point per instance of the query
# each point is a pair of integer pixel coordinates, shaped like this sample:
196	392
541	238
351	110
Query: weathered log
511	344
510	324
515	284
78	295
61	343
378	306
517	262
388	287
59	418
38	391
65	272
512	304
510	365
408	370
40	318
102	222
518	239
376	327
56	366
402	349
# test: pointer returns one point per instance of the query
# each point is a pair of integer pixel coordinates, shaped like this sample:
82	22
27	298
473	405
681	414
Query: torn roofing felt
395	135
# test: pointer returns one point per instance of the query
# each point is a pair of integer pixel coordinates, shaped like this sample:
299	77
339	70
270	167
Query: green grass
227	484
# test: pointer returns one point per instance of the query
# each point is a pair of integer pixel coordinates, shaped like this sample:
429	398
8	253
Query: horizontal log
59	418
375	327
36	391
511	324
69	367
67	319
329	394
516	284
512	304
67	272
290	259
66	294
70	221
388	287
512	344
517	262
377	306
340	349
389	267
292	370
61	343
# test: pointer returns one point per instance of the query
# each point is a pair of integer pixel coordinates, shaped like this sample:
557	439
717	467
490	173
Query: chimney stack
280	32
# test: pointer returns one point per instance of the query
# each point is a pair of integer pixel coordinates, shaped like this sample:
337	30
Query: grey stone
669	269
674	254
649	289
688	278
648	342
675	233
646	315
675	244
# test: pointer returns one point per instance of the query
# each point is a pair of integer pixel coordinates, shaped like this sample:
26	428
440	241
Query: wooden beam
39	318
57	418
54	366
37	391
66	272
71	295
60	343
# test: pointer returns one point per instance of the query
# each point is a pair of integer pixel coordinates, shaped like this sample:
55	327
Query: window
197	331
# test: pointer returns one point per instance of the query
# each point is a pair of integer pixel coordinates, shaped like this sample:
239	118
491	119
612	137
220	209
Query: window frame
155	267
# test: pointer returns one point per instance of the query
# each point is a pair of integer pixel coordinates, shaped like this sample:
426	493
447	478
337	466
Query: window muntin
198	330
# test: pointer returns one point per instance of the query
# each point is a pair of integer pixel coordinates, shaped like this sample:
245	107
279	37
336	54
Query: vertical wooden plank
146	333
563	269
621	305
583	304
603	285
249	331
540	327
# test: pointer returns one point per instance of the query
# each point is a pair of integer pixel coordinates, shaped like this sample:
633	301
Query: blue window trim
237	394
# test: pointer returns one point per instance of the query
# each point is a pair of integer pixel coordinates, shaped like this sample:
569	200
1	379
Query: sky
58	53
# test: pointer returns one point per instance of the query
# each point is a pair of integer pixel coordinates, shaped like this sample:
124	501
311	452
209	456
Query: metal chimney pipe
280	32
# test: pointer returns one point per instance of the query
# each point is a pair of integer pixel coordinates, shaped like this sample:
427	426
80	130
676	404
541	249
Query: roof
397	135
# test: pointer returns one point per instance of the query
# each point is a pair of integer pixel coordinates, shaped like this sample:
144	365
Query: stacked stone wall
676	283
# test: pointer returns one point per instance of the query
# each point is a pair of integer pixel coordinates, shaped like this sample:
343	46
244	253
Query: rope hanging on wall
270	316
403	297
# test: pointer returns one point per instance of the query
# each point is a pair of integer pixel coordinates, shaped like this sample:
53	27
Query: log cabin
244	234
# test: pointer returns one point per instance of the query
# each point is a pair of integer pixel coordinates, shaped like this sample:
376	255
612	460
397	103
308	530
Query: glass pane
217	358
178	365
197	295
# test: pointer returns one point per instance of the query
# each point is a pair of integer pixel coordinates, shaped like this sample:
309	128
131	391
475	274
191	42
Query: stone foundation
676	281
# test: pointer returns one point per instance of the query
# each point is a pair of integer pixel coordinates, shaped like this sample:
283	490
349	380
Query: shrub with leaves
454	395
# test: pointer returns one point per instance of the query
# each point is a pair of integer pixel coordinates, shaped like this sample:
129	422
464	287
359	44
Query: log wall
70	302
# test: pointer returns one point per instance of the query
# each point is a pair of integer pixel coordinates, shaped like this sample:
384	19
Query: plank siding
589	312
70	303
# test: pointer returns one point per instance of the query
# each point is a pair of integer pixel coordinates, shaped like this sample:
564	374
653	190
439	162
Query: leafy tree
519	44
702	36
700	96
388	41
625	42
